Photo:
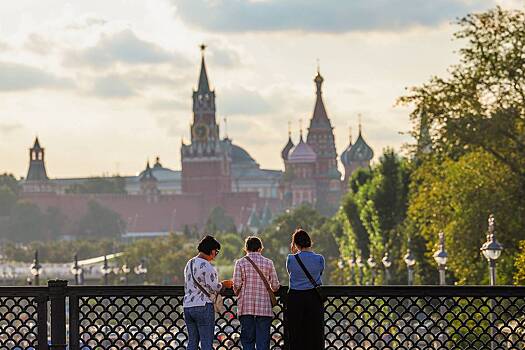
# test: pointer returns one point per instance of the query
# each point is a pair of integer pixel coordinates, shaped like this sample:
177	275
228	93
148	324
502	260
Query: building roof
36	145
204	85
240	155
320	117
147	174
302	153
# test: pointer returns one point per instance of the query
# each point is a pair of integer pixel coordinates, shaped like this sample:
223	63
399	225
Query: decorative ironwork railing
151	317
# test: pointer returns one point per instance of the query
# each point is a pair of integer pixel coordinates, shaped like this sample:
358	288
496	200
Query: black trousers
305	319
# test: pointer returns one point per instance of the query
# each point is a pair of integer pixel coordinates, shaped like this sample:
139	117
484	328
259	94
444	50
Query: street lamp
372	264
440	256
491	249
351	263
76	270
36	269
106	270
410	261
387	263
141	270
125	271
360	265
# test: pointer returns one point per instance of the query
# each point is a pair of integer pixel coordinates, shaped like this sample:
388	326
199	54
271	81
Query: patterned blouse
206	275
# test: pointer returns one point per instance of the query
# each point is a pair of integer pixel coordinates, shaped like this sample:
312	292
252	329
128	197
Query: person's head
301	239
209	246
253	244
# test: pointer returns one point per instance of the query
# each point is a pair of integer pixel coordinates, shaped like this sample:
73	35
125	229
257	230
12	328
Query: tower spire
359	117
204	85
289	129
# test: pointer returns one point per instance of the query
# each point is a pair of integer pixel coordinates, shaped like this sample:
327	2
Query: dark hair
207	244
252	244
301	238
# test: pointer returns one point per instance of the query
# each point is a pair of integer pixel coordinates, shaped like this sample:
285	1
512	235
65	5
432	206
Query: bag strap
312	281
197	283
266	284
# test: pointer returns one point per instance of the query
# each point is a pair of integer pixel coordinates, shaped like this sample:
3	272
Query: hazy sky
107	84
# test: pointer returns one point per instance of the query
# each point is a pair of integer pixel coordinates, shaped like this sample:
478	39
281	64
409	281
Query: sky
106	85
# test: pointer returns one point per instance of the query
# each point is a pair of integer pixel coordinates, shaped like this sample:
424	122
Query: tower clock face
200	132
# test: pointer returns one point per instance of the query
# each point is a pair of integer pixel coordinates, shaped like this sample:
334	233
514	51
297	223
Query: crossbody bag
273	299
317	287
218	303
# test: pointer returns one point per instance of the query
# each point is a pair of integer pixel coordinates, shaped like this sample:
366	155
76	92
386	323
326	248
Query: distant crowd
254	282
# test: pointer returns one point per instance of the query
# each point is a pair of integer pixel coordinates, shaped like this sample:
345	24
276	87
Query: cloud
242	101
85	22
15	77
321	16
224	57
7	128
112	86
169	105
38	44
122	47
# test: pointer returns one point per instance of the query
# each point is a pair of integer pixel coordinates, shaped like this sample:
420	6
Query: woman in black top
304	310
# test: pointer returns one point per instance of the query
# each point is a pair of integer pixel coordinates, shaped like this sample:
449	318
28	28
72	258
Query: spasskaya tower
206	161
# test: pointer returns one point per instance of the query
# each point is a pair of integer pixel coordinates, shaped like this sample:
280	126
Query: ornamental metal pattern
23	316
135	318
152	317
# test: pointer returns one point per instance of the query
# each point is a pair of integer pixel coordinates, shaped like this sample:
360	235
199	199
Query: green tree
519	264
100	221
218	221
475	118
277	237
10	181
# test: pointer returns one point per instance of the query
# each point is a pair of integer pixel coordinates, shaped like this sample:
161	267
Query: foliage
476	120
114	184
519	264
375	208
10	181
165	257
277	237
58	251
100	221
218	221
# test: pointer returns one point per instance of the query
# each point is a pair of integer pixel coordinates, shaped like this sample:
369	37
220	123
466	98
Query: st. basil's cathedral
215	173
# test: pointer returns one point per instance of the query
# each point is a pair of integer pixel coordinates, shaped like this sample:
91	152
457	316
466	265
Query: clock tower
206	160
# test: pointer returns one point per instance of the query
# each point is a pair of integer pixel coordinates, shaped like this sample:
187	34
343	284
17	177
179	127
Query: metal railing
151	317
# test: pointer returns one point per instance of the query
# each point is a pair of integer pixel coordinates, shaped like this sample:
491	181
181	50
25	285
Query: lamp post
491	249
351	263
141	270
36	269
360	264
106	270
341	267
387	263
125	271
410	261
372	264
440	256
76	270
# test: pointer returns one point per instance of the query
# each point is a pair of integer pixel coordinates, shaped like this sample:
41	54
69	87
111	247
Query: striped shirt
253	298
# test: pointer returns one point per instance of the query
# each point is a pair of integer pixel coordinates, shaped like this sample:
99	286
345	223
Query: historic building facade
215	173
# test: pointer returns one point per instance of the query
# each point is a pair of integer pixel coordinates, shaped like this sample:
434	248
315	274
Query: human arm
237	278
274	279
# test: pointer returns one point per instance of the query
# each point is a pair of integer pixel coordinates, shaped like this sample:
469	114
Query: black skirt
305	320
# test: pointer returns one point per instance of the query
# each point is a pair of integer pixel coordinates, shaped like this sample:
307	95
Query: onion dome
344	155
360	151
286	150
302	153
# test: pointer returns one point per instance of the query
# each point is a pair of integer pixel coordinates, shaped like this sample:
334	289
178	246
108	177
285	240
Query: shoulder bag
273	299
317	287
216	298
